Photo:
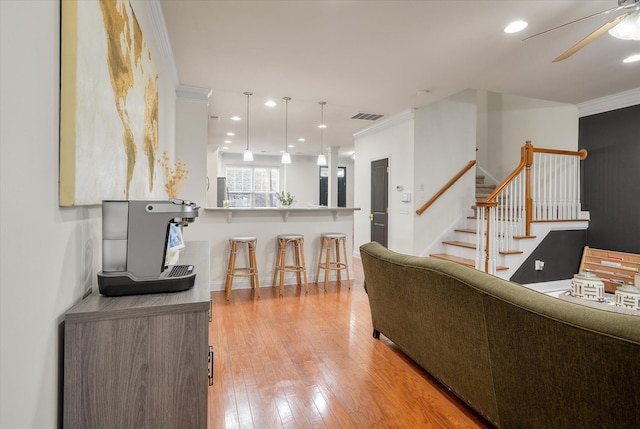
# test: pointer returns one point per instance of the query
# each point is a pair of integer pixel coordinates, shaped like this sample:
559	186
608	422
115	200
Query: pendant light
322	160
286	158
248	156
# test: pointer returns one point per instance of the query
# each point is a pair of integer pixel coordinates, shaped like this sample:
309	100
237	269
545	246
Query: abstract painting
108	105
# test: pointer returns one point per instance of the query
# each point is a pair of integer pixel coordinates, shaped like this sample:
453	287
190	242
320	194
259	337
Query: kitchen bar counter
217	225
284	212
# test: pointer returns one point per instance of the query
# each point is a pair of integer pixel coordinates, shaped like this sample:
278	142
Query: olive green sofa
520	358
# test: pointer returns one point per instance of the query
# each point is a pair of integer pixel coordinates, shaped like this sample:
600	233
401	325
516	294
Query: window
252	186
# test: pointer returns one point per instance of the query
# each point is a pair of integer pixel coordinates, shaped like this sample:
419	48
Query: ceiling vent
367	116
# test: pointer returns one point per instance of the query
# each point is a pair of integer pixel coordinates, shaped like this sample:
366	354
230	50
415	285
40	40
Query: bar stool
299	267
330	241
250	271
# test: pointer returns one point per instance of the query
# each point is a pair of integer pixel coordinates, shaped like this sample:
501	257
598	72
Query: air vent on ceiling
367	116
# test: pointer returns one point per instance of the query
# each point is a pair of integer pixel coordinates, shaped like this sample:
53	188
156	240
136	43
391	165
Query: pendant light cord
322	103
248	94
286	122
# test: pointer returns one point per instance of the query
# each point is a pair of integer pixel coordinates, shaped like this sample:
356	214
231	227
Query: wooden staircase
462	250
483	190
543	198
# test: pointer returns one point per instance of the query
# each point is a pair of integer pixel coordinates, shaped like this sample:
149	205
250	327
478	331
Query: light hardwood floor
310	361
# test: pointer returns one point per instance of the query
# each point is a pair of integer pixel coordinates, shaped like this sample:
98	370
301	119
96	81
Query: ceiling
380	57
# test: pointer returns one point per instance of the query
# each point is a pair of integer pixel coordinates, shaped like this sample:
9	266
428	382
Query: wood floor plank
263	407
309	361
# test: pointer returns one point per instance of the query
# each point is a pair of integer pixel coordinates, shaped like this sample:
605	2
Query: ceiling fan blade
613	9
591	37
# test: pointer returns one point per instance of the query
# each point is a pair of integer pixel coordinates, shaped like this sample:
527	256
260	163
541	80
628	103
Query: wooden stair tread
466	230
473	231
473	246
460	244
560	220
463	261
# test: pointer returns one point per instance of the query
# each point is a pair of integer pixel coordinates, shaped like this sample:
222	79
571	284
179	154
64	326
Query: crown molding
610	102
193	93
153	10
389	122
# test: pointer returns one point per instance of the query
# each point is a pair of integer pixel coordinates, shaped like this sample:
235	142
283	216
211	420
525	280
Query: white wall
391	139
425	150
512	120
191	147
48	255
302	179
212	175
445	141
440	140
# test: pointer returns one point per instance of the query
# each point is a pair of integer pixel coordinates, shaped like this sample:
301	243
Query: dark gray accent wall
611	178
561	252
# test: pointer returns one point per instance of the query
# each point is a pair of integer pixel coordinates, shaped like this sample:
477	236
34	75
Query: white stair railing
555	186
544	187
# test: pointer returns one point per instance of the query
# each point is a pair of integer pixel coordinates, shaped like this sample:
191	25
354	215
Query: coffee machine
135	239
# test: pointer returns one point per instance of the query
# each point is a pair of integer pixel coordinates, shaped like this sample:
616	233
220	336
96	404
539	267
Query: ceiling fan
624	26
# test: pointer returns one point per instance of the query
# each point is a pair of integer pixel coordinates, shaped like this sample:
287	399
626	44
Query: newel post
527	156
486	260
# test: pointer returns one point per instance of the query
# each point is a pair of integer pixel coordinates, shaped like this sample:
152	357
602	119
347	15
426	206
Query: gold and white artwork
109	106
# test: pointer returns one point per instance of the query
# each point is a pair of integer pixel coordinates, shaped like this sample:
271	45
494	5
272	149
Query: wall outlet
539	265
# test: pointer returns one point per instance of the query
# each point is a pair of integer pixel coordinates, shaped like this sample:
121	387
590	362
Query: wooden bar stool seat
330	243
298	266
251	270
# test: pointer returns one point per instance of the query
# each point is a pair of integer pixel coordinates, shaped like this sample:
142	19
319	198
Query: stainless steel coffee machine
135	238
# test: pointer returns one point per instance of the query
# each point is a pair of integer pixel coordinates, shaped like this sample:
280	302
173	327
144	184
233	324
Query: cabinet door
106	374
178	365
144	372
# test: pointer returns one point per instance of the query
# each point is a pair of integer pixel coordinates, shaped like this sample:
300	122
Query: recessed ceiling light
302	139
270	103
236	118
231	134
291	145
227	141
322	126
632	59
515	26
225	147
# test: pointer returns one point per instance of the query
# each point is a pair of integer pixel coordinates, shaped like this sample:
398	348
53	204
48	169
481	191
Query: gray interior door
379	201
342	186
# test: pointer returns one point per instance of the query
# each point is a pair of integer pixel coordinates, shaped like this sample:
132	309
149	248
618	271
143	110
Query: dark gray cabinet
140	361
